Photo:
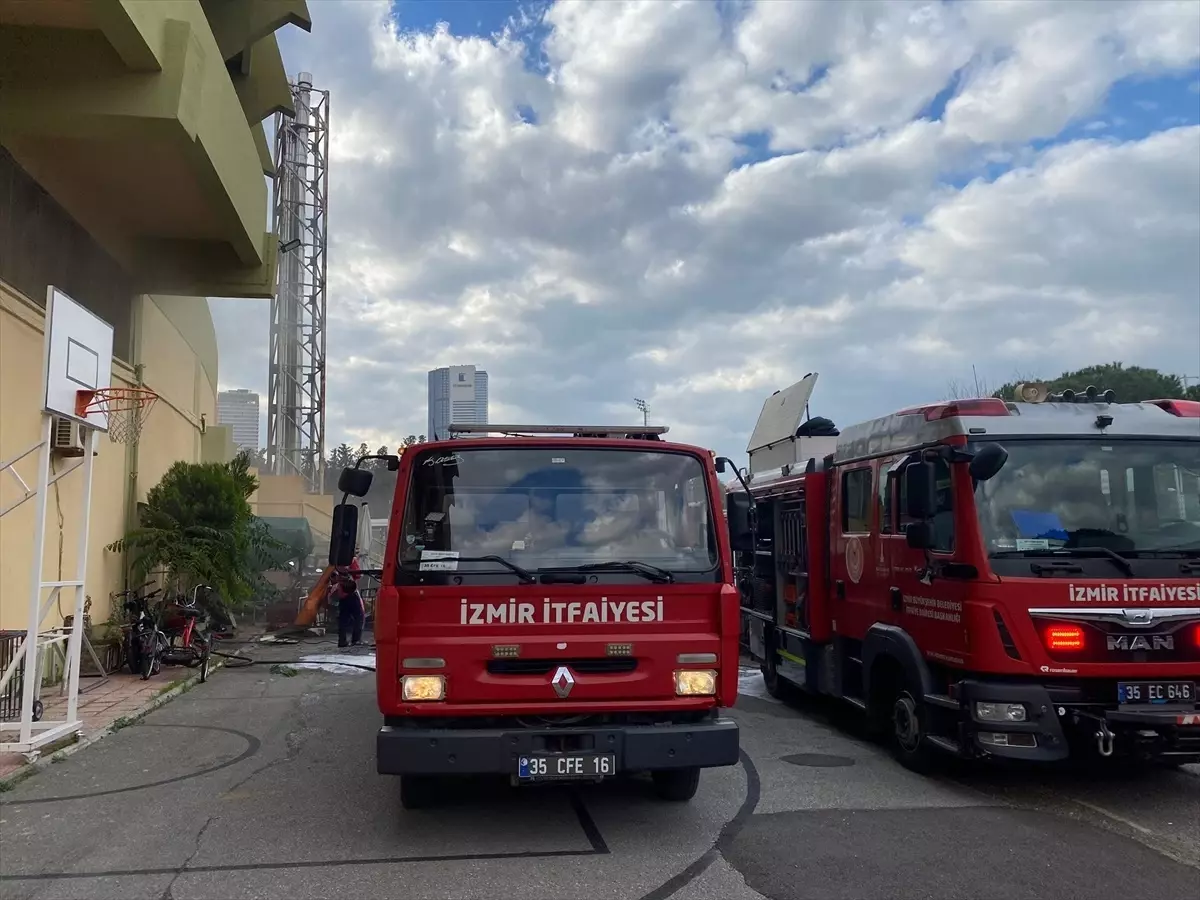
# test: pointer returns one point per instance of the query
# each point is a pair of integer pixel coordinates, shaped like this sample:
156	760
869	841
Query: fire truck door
892	555
928	602
856	599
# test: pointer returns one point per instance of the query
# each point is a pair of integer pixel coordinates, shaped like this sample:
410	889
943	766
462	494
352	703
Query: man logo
562	682
1141	642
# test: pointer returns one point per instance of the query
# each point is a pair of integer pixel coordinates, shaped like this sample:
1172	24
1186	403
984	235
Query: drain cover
818	760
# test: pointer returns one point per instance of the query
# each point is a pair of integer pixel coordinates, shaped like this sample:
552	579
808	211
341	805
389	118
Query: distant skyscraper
457	395
239	409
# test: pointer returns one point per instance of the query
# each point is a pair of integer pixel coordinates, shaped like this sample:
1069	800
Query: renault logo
562	682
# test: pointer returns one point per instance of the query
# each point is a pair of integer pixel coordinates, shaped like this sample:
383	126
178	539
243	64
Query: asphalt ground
262	784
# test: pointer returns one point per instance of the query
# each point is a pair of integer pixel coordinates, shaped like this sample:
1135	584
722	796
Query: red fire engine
983	578
555	604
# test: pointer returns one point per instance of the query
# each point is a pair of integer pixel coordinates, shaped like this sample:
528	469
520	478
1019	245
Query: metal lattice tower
296	402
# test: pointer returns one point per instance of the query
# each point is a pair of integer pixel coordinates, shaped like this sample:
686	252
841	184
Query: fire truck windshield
557	507
1126	495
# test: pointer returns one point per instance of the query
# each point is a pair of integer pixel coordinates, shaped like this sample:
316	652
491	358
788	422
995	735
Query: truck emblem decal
562	682
1138	616
447	460
854	559
1141	642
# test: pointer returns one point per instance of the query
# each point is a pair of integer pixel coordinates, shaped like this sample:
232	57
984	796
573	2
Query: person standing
351	613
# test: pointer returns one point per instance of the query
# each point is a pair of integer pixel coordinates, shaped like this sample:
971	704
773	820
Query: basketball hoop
126	409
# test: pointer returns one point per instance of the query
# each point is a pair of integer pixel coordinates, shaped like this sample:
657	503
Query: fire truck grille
614	665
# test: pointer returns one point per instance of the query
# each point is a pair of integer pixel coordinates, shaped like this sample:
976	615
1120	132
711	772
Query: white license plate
1155	693
566	766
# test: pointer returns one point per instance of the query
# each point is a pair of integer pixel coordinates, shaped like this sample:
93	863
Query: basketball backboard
78	356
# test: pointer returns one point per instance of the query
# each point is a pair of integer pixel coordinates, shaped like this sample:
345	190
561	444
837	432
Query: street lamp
641	404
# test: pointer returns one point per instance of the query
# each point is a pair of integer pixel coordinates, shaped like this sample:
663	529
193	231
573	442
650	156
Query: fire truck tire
909	723
417	791
770	673
676	785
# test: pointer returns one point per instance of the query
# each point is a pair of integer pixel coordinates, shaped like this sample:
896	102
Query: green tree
1131	384
198	528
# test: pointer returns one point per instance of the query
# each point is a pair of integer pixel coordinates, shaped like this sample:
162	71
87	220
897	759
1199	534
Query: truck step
943	701
944	744
855	702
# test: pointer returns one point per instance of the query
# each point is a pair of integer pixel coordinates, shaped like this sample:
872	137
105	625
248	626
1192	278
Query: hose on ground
245	662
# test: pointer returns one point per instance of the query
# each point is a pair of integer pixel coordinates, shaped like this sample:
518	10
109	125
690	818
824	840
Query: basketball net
126	409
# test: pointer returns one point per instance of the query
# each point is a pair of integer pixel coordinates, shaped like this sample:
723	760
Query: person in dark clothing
351	613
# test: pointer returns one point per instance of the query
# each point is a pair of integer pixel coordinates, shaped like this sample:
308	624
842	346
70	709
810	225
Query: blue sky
704	281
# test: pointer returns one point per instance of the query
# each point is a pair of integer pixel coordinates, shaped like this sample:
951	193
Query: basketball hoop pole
33	735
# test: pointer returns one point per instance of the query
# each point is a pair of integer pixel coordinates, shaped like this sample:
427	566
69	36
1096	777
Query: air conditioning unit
66	437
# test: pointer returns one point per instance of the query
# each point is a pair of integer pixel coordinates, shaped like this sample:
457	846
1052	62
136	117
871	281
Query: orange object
316	599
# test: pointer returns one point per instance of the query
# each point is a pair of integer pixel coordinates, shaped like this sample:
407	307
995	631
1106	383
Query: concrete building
132	163
239	409
457	395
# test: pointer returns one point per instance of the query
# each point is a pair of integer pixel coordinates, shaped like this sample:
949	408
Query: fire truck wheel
909	746
676	785
770	674
417	792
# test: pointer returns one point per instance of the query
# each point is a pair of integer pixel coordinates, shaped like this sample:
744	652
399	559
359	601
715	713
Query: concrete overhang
126	112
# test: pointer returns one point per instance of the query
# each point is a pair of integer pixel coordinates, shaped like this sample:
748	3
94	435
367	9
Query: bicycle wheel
151	654
206	658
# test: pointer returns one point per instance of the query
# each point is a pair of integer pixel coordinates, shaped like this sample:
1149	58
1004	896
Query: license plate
566	766
1155	693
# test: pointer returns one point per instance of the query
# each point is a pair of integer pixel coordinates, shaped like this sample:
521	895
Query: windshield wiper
1118	560
1168	553
647	571
525	575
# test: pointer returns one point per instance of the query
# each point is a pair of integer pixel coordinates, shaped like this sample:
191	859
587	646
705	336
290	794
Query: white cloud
628	238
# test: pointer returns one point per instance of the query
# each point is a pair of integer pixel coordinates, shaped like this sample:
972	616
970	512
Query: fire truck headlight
416	688
1000	712
695	682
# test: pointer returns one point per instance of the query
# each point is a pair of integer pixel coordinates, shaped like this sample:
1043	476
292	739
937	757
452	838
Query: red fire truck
556	603
984	578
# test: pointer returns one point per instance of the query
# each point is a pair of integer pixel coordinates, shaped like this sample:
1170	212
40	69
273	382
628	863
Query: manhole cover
818	760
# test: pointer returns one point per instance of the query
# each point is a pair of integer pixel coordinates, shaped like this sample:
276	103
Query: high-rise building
458	395
239	410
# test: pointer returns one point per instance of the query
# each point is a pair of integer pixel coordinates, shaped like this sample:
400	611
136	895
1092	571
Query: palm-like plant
198	527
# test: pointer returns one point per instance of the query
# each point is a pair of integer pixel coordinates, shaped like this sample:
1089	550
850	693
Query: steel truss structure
296	401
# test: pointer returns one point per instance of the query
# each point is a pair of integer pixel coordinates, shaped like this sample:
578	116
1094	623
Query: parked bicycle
170	635
141	636
187	644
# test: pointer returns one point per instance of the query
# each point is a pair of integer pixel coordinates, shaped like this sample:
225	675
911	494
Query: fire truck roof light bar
558	429
1185	409
983	406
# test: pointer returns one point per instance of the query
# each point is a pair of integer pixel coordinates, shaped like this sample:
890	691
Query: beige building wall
177	346
287	496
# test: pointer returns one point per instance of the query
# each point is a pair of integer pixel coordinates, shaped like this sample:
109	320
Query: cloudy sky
698	203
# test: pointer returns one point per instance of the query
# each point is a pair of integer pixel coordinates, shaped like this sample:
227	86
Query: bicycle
142	637
183	642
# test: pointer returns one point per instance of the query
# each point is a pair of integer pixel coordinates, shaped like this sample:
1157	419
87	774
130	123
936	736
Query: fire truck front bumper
1059	716
547	754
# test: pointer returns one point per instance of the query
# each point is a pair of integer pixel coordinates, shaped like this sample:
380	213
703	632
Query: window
543	507
1124	494
856	501
943	517
887	491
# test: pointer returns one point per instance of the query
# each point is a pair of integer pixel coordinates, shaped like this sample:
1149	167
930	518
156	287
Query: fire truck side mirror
355	482
740	512
988	460
920	489
343	534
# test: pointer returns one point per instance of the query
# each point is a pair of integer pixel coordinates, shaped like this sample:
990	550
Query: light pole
641	404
